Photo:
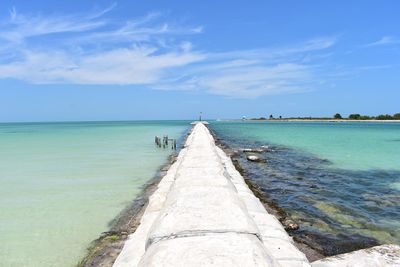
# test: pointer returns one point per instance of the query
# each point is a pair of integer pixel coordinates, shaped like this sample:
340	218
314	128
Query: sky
138	60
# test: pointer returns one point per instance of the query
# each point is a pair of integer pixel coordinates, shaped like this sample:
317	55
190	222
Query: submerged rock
253	150
290	225
267	149
261	149
254	158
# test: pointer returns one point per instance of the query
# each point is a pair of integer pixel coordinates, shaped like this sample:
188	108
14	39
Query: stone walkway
203	214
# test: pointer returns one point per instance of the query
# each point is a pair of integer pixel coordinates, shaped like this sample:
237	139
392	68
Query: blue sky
129	60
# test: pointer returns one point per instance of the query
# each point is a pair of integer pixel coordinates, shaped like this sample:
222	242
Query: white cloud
311	45
253	73
385	40
91	49
245	79
20	27
254	81
102	12
137	65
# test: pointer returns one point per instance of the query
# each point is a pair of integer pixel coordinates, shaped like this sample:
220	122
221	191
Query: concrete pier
204	214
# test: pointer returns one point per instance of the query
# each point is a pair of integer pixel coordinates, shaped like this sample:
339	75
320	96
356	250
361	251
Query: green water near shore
62	183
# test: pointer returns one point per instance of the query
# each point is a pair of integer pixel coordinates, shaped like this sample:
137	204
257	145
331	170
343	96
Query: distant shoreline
312	120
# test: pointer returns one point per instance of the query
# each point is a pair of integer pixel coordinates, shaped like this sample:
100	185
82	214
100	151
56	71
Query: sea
61	184
340	181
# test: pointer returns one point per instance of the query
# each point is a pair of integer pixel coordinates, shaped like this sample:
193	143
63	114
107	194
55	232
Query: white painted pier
204	214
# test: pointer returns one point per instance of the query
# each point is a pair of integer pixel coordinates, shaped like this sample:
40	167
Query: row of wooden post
163	142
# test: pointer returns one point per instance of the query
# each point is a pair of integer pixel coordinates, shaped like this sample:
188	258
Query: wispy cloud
148	51
20	27
385	40
136	65
253	73
256	80
101	12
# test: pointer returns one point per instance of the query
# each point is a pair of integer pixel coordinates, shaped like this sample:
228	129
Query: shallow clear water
340	181
62	183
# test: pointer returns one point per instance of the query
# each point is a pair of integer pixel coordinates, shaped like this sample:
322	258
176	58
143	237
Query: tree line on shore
364	117
337	116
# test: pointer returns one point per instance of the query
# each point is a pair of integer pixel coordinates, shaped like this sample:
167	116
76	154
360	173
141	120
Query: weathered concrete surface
385	255
204	214
226	249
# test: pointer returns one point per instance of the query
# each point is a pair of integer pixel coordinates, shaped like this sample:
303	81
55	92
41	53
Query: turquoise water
356	146
340	181
62	183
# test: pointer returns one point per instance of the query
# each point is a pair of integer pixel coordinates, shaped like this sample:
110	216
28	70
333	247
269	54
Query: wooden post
158	141
165	141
